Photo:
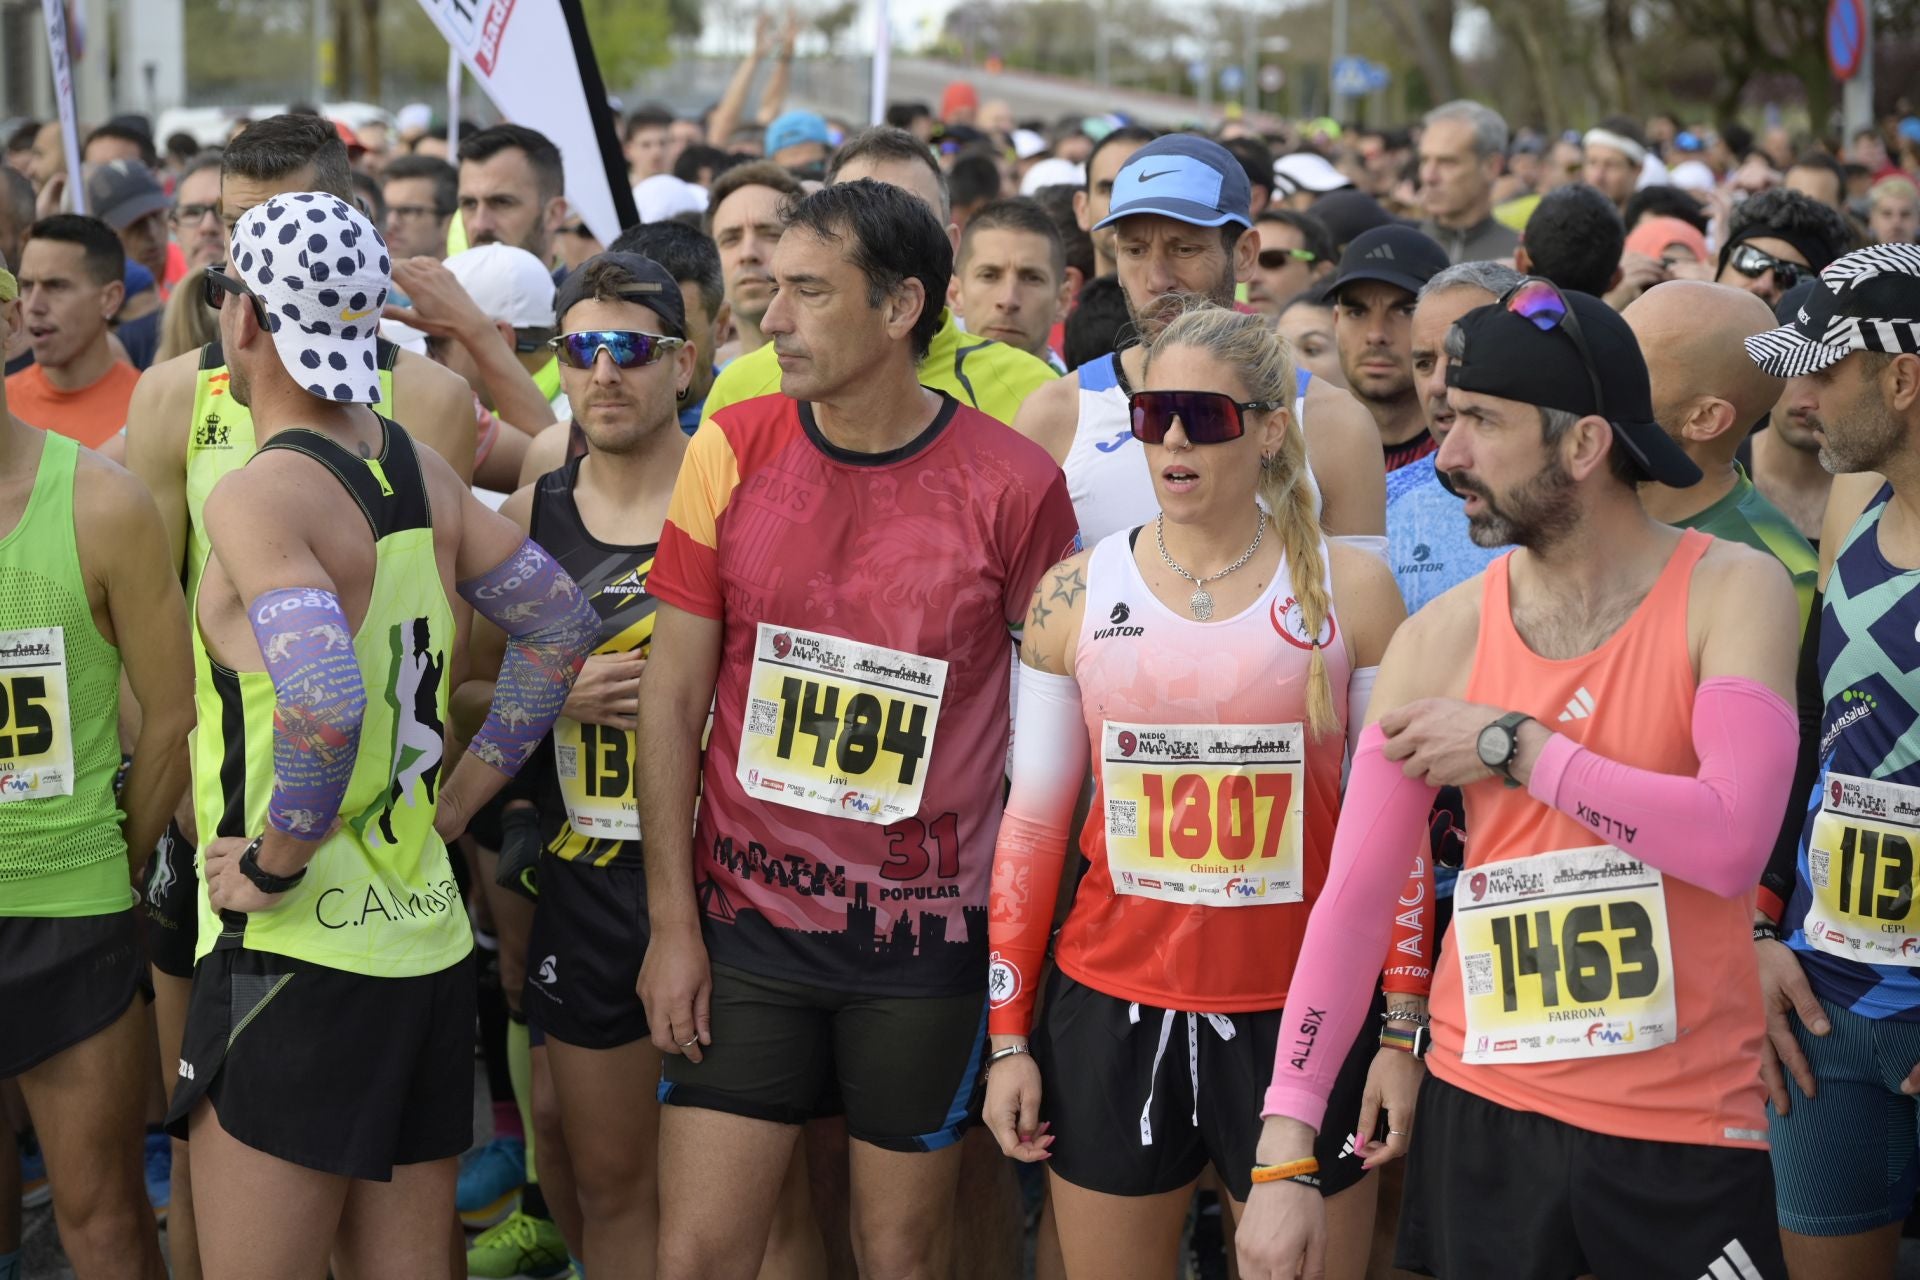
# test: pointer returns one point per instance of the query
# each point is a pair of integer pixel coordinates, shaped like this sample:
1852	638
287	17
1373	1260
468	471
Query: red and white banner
534	60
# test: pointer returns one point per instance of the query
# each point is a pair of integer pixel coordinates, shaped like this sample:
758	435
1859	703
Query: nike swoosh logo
356	315
1149	177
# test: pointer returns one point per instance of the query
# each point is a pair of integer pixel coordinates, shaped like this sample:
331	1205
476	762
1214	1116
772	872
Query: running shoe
34	1188
520	1248
490	1180
159	1174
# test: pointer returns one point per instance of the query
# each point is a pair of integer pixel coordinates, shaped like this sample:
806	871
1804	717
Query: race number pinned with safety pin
1861	865
1563	955
36	737
1208	815
838	727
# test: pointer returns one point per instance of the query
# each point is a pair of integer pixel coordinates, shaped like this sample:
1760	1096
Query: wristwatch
264	880
1499	743
1416	1042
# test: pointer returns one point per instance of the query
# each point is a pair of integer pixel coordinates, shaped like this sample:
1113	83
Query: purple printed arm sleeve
319	701
550	630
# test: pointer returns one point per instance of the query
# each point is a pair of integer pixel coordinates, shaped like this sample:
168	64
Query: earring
1266	462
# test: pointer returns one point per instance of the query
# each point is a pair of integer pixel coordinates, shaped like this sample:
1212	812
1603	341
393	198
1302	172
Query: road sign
1272	79
1350	78
1846	37
1197	71
1231	78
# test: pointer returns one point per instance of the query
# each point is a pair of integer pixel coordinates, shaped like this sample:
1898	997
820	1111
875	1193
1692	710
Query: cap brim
127	212
1788	353
1398	279
1664	461
1188	211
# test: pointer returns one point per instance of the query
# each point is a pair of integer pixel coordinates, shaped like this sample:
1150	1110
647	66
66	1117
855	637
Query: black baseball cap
652	287
1868	300
1399	256
1509	356
1348	214
121	192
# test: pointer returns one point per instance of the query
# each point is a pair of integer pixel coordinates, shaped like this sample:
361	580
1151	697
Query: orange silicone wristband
1282	1172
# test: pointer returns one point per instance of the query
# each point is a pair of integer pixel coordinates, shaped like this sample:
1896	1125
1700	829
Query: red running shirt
851	788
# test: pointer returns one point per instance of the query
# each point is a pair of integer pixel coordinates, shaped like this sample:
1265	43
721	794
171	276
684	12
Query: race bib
1563	955
838	727
1861	863
36	735
595	765
1209	815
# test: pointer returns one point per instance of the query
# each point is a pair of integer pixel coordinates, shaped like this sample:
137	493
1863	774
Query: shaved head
1690	333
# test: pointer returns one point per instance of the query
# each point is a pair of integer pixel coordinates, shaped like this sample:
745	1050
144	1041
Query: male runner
327	1062
184	432
989	376
1429	544
1707	395
1785	457
1093	202
1593	1103
81	567
842	562
1852	1057
624	357
1179	215
1010	276
512	189
743	217
1373	296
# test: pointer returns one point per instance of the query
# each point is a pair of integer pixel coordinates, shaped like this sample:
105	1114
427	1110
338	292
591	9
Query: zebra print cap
1868	300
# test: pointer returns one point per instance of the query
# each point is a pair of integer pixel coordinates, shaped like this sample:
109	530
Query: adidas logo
1732	1264
1579	706
1384	251
1347	1149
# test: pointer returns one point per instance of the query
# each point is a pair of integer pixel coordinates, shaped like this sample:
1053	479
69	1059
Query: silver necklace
1201	602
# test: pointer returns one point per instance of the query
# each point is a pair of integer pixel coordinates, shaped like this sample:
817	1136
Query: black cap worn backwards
1506	355
652	286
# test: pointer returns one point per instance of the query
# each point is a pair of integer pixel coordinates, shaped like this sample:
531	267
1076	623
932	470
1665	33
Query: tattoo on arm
1068	586
1039	613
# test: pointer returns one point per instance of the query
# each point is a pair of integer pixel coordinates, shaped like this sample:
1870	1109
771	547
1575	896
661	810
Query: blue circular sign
1846	30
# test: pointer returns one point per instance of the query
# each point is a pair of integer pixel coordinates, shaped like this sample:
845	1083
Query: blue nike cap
1184	177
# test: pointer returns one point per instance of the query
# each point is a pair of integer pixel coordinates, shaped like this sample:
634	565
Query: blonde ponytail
1265	361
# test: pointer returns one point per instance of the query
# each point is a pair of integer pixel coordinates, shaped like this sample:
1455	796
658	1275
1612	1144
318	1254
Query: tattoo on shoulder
1068	586
1038	615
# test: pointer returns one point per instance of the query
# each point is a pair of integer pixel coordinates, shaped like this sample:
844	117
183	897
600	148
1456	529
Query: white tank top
1107	474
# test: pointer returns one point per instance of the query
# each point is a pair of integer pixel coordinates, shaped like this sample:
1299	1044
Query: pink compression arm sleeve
1383	828
1714	830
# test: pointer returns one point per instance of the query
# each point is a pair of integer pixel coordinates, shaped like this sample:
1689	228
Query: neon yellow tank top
61	849
379	896
221	440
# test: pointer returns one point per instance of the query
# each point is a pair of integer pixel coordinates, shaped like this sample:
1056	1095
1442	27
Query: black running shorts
330	1070
1497	1194
173	904
583	954
63	981
903	1069
1135	1115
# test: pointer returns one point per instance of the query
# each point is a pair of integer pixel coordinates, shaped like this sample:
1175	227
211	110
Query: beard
1156	313
1538	513
1871	436
239	387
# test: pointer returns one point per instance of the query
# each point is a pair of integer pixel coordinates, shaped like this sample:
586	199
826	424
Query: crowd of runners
1196	700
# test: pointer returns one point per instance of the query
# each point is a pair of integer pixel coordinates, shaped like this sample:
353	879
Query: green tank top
221	440
379	896
61	849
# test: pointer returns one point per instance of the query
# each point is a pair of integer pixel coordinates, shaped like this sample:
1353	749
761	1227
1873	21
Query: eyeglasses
216	284
1754	263
191	215
413	213
629	348
1542	305
1209	417
1274	259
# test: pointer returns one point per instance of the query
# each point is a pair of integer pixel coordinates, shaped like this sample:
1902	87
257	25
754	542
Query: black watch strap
1511	722
263	880
1766	931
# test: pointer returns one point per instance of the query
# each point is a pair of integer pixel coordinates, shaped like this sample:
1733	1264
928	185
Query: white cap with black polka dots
321	270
